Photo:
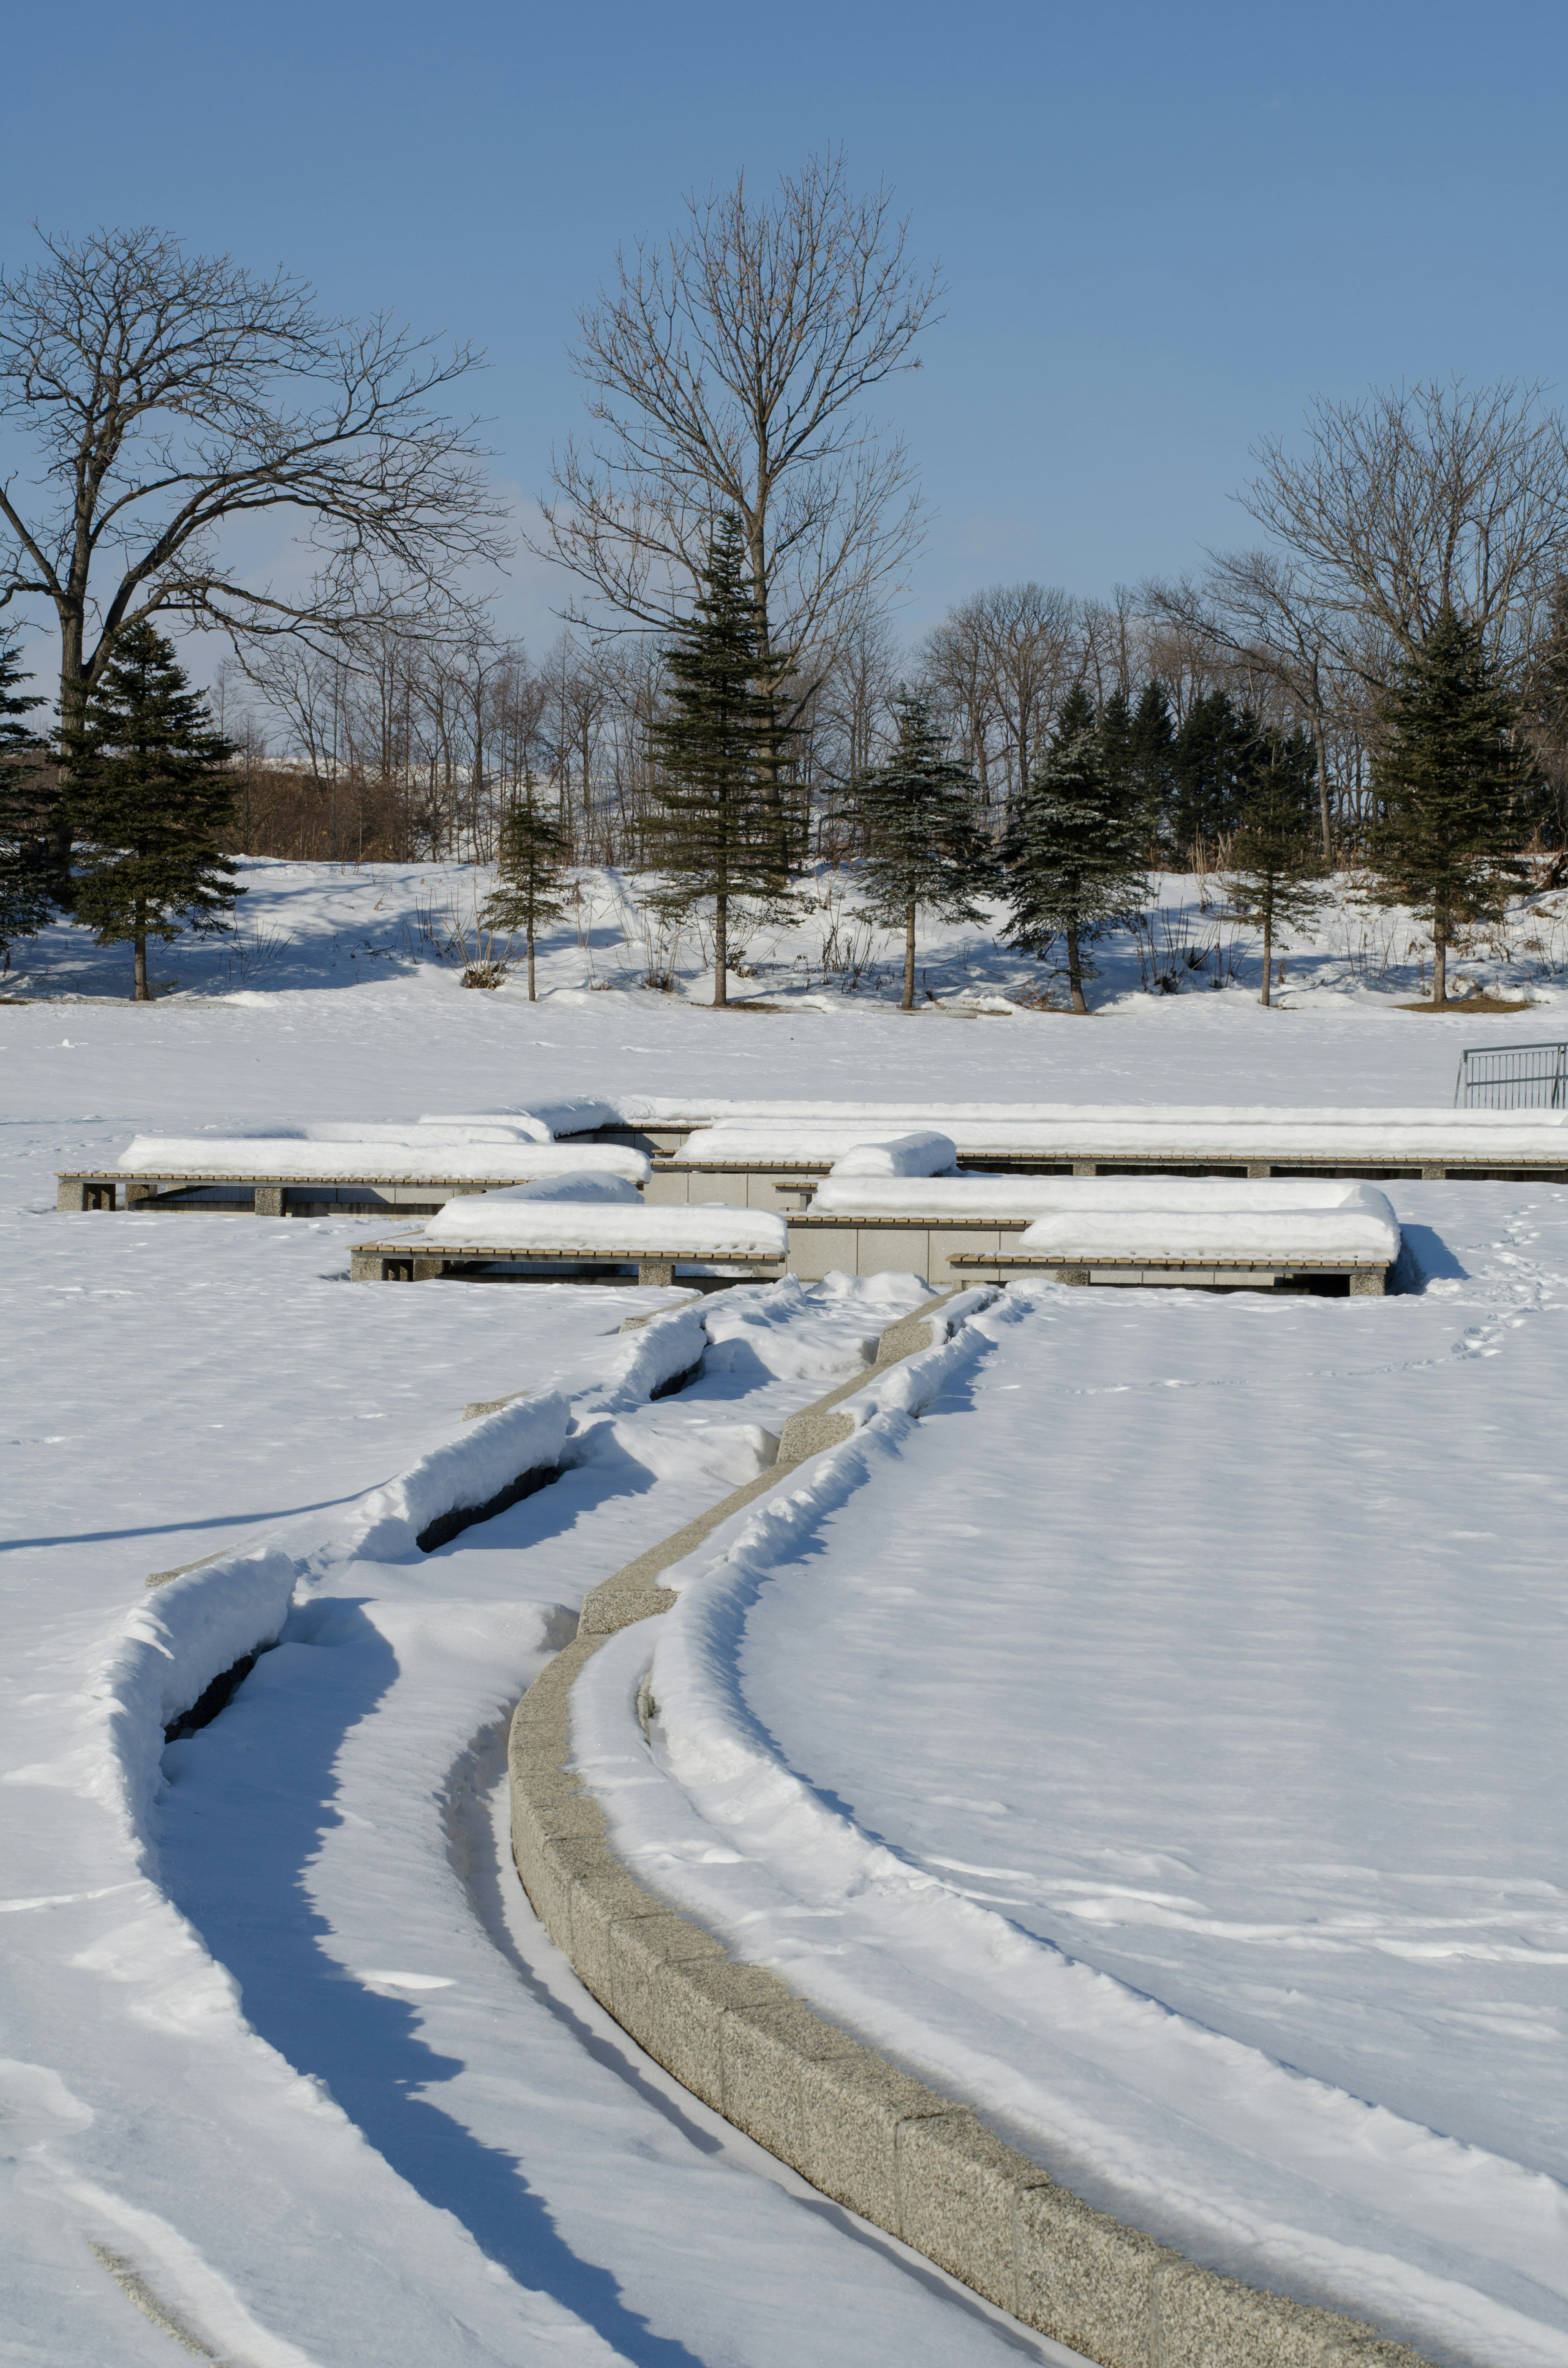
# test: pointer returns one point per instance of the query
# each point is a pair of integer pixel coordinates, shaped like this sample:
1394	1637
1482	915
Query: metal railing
1513	1076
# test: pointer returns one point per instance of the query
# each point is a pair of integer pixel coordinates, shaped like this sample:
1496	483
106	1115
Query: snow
1211	1847
707	1229
569	1114
1500	1137
1354	1224
771	1116
400	1161
573	1184
1157	1755
924	1154
1008	1198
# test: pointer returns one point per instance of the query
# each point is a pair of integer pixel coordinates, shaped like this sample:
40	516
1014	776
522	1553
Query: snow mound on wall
492	1453
656	1353
410	1162
173	1645
924	1154
703	1230
569	1114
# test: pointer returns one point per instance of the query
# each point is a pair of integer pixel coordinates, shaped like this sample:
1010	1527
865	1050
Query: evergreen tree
149	791
1448	780
531	864
1209	765
1072	861
25	900
1276	853
714	831
1151	764
922	847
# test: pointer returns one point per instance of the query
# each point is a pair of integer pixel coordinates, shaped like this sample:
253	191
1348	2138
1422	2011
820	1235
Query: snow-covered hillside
303	924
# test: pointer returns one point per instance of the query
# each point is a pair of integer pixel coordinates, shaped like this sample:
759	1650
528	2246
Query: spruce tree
1073	861
25	901
149	791
1151	764
1209	759
714	829
1276	853
1448	780
531	864
922	847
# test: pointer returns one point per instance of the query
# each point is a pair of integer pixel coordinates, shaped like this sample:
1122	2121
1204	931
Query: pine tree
25	901
1448	779
531	864
714	831
149	791
1276	853
1073	861
922	847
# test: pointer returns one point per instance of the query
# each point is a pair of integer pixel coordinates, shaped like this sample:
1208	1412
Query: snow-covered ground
301	925
1262	1602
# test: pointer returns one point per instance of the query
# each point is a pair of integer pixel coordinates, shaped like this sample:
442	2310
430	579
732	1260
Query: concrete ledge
633	1593
920	2165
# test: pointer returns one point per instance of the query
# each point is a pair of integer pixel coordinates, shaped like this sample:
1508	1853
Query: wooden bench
413	1258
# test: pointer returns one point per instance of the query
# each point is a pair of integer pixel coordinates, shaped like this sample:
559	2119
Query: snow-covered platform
587	1240
415	1170
1315	1234
773	1158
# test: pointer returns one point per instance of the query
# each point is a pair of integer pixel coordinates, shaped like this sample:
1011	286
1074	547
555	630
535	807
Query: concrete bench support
269	1200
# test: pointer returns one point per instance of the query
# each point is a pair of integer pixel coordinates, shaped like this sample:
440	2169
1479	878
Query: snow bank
290	1157
1360	1224
704	1229
926	1154
491	1454
173	1644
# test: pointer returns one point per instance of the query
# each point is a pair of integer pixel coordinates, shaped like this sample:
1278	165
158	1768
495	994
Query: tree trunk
1076	972
532	995
1323	789
1439	966
1267	950
144	994
721	953
908	1003
73	716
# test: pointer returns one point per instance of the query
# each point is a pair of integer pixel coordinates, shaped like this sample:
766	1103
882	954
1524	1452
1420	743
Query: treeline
394	750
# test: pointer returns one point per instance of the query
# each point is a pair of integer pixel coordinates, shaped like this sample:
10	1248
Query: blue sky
1163	229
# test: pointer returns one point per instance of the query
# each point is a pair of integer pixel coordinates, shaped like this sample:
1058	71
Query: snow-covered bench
414	1170
1308	1231
776	1162
582	1225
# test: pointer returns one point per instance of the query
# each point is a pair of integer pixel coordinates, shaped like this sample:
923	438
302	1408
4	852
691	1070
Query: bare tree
171	394
1259	609
1418	499
726	369
1020	644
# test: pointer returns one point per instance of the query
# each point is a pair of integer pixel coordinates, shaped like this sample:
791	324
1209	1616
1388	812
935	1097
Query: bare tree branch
726	370
170	395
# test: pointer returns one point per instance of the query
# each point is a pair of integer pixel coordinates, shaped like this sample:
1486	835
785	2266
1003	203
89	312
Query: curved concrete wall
915	2163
